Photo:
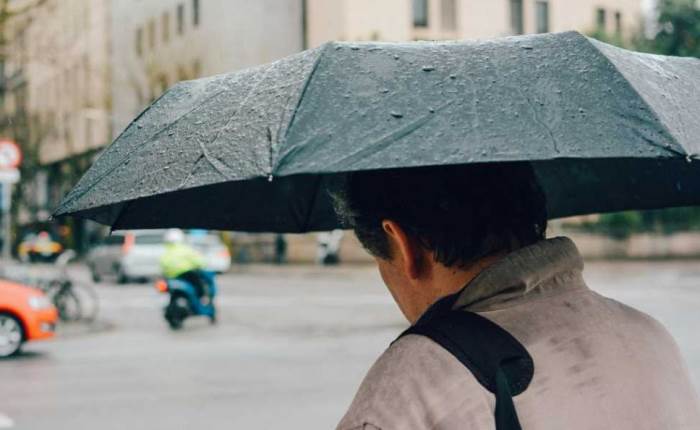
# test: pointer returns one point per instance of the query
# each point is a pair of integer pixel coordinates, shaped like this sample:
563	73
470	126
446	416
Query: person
476	235
328	247
181	261
280	249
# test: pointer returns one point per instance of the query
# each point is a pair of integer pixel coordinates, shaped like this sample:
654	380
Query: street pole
10	159
6	220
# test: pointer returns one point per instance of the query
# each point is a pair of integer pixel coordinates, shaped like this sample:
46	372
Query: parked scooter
185	301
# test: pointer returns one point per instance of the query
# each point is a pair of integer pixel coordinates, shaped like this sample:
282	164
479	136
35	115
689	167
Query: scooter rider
183	262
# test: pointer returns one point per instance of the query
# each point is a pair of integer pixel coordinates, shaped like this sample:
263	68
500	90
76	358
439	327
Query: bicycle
74	301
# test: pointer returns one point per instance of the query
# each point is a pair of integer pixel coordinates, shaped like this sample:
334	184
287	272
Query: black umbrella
606	129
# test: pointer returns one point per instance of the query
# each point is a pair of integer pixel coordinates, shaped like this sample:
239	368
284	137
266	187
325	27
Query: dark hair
460	213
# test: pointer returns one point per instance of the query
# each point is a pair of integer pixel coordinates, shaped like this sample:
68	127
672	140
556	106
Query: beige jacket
598	363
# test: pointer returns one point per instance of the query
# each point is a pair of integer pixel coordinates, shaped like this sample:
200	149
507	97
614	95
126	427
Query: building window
516	16
448	13
151	34
139	41
618	23
420	13
542	16
195	12
166	27
180	18
600	19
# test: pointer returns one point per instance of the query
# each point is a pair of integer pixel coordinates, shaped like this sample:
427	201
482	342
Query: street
291	346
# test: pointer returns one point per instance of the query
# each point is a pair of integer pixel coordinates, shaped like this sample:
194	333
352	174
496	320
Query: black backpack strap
497	360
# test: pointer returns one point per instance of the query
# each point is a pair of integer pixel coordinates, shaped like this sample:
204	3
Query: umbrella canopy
606	129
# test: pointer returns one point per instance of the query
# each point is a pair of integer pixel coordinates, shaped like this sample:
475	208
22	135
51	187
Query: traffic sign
10	154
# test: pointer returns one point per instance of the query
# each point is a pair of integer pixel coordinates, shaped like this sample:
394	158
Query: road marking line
6	422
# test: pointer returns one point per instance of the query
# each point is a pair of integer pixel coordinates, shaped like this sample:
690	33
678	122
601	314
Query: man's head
424	224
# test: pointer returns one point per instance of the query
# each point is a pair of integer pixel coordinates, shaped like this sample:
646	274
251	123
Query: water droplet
355	48
396	57
269	178
384	90
396	114
526	47
428	68
431	110
581	110
453	76
139	126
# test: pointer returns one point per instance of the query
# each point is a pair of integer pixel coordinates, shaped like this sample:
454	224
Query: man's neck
446	281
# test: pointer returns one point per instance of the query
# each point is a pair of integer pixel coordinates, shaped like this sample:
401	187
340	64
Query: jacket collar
536	270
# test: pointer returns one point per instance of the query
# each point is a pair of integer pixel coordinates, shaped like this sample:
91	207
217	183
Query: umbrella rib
203	146
307	83
129	153
661	124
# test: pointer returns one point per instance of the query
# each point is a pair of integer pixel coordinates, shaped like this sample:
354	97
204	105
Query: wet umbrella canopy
256	150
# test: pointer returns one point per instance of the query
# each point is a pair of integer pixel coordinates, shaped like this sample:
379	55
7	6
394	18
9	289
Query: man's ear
405	247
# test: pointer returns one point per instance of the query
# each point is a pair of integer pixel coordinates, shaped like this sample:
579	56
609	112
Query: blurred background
302	316
74	73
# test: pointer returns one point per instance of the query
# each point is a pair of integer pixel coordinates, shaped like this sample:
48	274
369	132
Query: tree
678	29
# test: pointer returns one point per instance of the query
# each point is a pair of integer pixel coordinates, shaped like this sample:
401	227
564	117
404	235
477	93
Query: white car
135	255
128	255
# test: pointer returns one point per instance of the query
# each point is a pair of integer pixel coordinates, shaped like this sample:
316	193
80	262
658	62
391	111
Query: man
182	261
478	232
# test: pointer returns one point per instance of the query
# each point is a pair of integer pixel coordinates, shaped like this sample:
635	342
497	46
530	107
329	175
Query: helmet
174	235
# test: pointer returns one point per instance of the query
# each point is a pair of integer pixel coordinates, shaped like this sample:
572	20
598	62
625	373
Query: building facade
161	42
76	72
402	20
56	74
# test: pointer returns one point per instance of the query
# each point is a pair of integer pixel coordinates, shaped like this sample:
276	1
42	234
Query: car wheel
96	278
122	278
11	335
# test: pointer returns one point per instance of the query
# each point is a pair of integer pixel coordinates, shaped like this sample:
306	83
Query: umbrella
606	129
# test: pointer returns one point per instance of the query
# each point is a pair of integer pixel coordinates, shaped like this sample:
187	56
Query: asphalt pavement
291	346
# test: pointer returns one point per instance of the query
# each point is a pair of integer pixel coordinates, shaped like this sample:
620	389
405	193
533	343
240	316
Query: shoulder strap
497	360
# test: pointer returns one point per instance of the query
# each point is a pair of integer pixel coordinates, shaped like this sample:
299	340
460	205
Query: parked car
217	257
39	247
26	314
127	256
135	255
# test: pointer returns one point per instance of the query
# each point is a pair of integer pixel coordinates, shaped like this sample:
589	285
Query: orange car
25	314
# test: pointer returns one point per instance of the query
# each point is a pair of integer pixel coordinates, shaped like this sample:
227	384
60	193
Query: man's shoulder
415	383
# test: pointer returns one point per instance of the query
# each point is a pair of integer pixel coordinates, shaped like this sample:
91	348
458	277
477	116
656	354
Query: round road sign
10	154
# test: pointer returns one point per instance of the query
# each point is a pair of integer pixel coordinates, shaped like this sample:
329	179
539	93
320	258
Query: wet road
291	347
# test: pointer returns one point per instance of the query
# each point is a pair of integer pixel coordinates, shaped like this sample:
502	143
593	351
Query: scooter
185	302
